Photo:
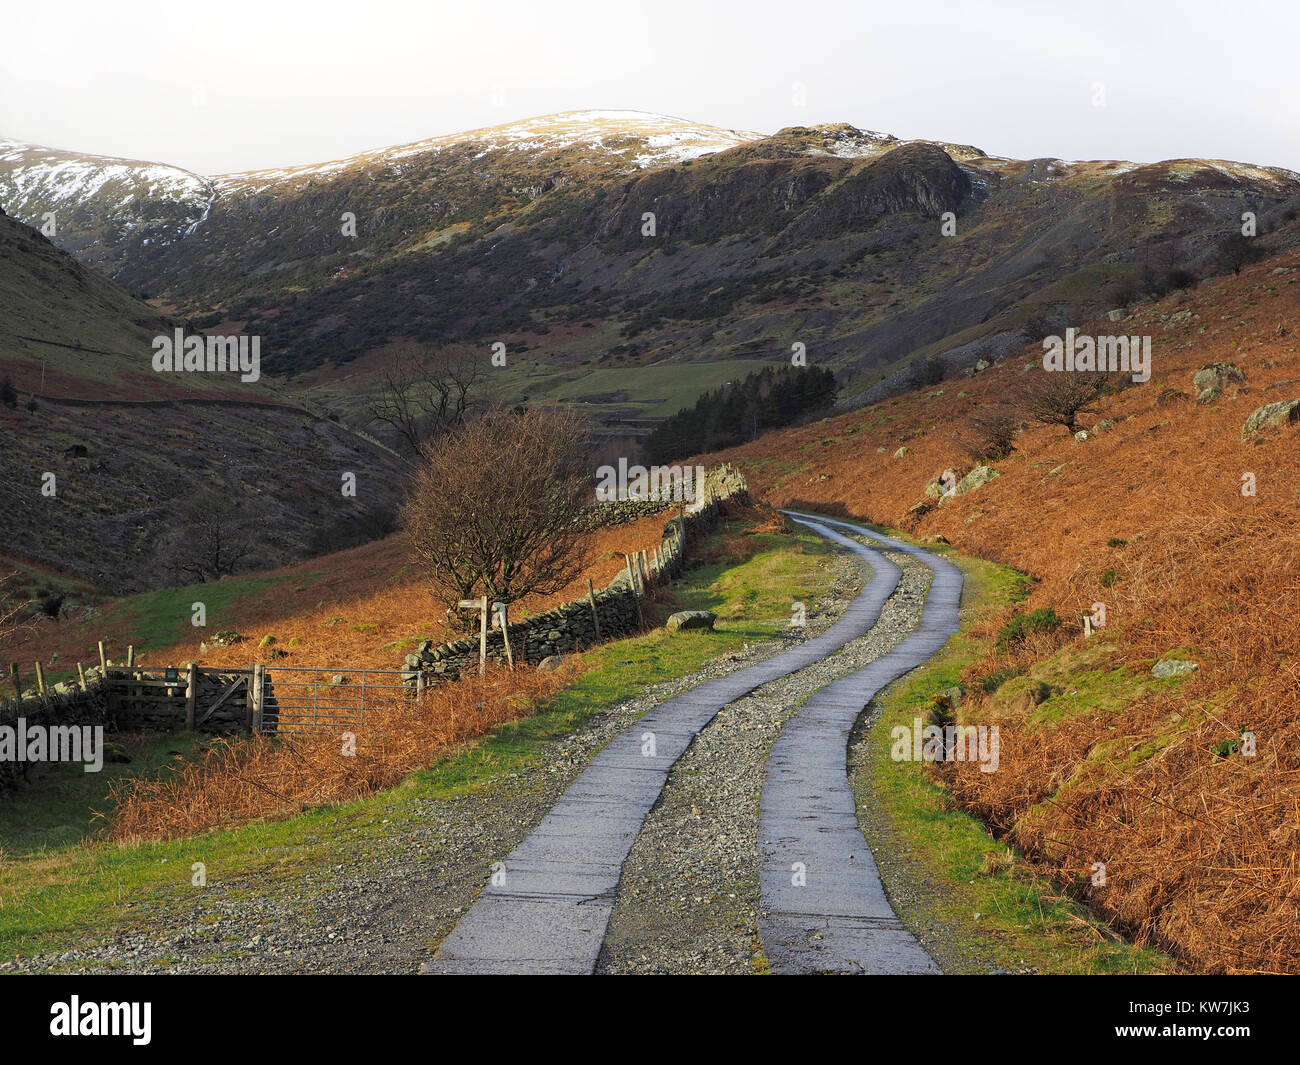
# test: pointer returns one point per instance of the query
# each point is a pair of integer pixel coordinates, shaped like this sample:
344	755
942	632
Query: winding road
548	903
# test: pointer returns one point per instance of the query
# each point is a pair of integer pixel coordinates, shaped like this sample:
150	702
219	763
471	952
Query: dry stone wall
573	626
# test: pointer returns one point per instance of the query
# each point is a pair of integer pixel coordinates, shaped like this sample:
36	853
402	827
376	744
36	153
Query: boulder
1173	667
977	478
941	485
550	662
1217	375
900	452
1271	416
1209	395
1103	426
691	619
1081	436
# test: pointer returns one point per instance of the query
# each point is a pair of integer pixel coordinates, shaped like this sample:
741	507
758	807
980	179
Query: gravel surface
391	891
689	900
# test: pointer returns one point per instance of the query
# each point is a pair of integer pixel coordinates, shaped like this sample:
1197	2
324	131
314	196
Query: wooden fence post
40	679
595	614
191	696
13	675
505	634
130	656
249	708
103	662
482	637
81	673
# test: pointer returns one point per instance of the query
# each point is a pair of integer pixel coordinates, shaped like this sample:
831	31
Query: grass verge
974	901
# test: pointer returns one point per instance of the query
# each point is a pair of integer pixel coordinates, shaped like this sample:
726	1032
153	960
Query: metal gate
295	699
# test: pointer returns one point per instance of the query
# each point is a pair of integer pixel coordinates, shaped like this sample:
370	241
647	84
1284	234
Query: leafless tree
213	539
427	390
1059	397
495	504
990	433
10	609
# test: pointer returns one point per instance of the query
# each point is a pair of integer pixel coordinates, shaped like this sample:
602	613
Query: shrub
1022	625
991	682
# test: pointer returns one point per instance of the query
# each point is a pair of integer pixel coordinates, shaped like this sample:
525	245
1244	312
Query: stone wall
572	626
62	704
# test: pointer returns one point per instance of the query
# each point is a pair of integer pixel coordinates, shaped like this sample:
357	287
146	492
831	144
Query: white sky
223	85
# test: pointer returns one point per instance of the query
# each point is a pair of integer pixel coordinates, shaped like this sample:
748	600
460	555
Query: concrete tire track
547	907
824	906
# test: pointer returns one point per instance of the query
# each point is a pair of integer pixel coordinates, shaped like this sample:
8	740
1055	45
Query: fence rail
299	698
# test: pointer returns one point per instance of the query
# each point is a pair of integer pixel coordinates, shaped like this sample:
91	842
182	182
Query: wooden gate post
191	696
481	605
595	614
505	634
103	662
40	679
256	681
248	698
81	674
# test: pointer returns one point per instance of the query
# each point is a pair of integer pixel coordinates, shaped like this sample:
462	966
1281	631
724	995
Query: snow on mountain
643	140
34	179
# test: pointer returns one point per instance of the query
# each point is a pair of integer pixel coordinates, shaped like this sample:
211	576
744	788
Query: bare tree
10	609
495	505
214	539
426	390
1237	251
990	433
1059	397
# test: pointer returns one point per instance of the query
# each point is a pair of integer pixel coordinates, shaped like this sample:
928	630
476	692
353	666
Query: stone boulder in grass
977	478
1271	416
1217	375
691	619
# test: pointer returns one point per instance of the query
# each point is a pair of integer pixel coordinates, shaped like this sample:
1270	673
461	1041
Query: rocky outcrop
1271	416
1217	375
977	478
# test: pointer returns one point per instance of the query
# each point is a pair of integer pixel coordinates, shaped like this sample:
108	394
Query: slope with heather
1102	763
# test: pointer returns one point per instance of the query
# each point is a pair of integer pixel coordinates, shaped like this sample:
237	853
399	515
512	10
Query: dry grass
242	779
339	610
1201	850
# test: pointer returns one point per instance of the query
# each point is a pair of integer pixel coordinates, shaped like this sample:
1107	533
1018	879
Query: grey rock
691	619
1271	416
1173	667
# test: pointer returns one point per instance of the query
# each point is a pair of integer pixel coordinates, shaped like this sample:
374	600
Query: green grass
56	808
63	889
161	618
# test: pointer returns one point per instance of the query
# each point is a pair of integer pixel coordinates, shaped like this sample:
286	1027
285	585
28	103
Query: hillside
531	234
1101	761
132	452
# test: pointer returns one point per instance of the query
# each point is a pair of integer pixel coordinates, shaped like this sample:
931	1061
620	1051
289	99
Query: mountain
531	234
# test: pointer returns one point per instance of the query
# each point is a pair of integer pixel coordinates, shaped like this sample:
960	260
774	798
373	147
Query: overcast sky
223	85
